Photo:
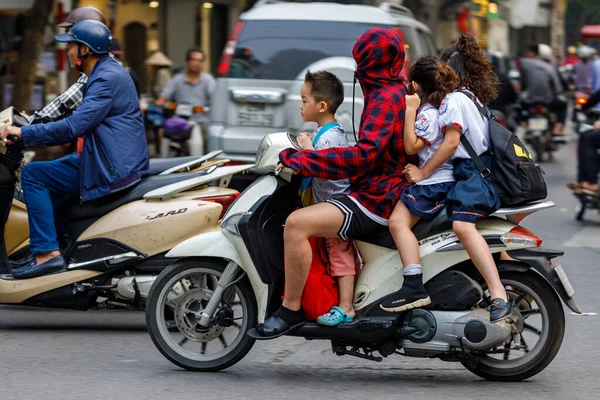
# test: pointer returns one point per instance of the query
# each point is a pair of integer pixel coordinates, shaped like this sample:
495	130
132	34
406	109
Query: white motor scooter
226	281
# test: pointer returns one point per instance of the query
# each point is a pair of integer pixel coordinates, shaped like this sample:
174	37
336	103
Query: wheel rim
179	305
533	336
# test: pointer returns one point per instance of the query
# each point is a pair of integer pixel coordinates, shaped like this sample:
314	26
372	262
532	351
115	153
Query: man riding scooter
542	83
112	153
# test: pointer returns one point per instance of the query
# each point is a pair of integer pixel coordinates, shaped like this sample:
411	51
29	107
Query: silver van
273	45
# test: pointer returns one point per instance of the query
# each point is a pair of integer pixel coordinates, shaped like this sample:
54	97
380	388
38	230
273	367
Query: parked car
273	45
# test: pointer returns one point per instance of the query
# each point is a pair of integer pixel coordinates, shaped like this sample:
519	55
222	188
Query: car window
429	42
281	49
410	41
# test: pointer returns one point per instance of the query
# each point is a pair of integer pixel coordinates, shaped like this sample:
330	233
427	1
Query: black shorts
356	222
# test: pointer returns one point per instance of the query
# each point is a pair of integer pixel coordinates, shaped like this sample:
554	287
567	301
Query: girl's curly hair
472	67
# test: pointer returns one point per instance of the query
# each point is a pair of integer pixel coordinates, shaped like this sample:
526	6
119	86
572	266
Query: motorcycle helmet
585	52
93	34
81	14
545	52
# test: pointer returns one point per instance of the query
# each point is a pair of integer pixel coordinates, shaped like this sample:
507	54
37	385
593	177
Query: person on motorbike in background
112	153
66	102
194	86
582	71
542	83
374	165
587	154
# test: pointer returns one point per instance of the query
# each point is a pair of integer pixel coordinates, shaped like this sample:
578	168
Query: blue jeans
44	185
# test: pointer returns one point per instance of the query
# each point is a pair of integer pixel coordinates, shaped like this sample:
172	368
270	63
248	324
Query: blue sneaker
32	269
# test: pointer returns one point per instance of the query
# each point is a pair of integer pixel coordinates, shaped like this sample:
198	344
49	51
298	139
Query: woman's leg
480	254
319	220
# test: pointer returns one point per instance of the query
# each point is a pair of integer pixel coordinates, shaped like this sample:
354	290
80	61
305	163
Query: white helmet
545	52
585	52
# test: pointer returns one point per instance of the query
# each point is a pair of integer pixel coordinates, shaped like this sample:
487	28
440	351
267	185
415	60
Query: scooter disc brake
188	313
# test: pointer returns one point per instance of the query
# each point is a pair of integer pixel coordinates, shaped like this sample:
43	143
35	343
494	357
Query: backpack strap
483	110
485	114
483	170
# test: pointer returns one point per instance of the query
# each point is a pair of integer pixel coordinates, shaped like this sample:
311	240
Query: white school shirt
427	128
458	110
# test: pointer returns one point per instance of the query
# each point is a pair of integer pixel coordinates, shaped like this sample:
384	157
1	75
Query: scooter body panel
153	227
16	291
16	234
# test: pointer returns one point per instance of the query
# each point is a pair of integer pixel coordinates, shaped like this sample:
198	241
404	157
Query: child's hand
413	101
413	174
305	141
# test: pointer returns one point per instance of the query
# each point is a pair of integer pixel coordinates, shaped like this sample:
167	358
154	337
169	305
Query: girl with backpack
473	197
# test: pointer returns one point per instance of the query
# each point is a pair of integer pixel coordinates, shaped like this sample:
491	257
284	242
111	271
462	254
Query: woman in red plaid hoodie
374	166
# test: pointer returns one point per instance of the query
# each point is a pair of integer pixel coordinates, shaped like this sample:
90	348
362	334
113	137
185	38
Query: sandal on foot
334	317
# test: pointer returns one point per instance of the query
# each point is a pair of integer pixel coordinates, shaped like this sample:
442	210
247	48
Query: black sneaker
411	295
499	310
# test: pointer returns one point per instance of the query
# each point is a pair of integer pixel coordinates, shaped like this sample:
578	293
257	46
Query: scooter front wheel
174	308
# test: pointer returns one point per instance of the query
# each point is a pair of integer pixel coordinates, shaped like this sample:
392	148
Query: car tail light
582	100
229	49
224	200
521	236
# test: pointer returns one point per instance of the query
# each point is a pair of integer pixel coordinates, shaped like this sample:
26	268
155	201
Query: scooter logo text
162	215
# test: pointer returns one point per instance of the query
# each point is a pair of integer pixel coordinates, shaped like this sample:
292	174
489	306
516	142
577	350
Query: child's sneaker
412	294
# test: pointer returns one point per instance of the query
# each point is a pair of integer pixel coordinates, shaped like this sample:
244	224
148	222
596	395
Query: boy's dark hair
326	87
435	78
189	53
472	67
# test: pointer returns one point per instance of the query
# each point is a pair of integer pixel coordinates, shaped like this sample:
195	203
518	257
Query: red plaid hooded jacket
374	165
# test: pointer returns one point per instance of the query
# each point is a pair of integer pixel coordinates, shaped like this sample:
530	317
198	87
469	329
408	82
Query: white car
273	45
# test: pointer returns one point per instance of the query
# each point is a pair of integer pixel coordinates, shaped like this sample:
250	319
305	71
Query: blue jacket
115	153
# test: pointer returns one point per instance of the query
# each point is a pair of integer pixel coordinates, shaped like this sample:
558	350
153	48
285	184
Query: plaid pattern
61	105
374	165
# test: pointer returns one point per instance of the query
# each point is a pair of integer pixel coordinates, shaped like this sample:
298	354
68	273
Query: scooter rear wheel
544	318
174	303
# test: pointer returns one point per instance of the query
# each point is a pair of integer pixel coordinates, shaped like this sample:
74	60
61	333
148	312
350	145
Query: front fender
216	244
209	244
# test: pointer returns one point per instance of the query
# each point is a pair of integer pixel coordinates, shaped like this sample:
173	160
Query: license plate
538	124
184	110
255	115
564	280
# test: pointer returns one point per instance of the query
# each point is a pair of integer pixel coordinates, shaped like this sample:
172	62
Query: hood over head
379	55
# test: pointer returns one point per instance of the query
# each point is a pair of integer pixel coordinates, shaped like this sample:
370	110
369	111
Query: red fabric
321	291
80	145
374	165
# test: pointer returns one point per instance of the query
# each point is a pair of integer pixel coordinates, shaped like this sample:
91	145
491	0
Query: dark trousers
587	153
44	185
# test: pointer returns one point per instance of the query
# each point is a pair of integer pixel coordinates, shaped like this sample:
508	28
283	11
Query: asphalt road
109	355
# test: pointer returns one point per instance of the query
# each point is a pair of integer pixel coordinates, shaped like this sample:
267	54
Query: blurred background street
98	355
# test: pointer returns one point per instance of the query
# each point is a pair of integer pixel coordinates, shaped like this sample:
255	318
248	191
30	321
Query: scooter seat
158	165
422	229
104	205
